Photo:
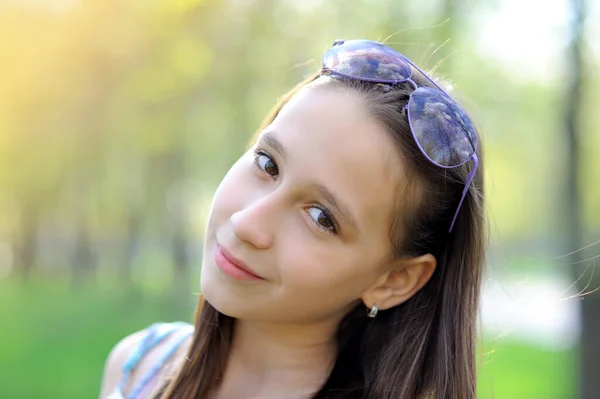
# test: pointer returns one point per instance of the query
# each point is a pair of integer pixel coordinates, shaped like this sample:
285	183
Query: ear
401	283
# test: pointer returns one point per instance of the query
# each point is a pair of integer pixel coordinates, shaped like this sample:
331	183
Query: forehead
332	140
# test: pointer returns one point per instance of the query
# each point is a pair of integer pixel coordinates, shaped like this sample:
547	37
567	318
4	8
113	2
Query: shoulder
135	356
116	359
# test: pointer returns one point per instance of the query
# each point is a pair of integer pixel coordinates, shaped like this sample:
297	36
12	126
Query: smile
233	267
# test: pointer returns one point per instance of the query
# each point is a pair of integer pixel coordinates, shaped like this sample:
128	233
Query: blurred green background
119	118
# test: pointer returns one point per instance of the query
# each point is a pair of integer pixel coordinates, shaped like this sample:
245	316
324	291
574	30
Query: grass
53	344
514	370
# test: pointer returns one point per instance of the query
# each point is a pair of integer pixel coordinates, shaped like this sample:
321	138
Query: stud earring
373	312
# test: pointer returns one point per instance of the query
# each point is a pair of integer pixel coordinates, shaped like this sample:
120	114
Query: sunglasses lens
442	129
367	60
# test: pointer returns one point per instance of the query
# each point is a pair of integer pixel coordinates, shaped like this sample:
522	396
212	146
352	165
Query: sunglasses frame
418	91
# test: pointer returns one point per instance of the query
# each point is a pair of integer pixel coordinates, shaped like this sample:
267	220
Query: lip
233	266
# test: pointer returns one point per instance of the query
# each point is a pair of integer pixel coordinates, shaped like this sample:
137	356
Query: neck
278	361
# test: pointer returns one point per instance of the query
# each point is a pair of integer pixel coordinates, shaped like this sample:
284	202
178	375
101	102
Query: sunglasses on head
441	128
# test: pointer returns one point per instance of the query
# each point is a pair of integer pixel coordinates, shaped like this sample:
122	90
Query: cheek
326	272
229	196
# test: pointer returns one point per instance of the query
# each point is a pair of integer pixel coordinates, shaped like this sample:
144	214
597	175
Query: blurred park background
119	118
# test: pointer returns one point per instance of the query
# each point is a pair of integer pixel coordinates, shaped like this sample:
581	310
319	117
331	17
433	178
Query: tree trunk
83	266
26	246
589	383
131	247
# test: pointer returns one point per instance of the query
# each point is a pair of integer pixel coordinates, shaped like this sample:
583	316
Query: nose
255	223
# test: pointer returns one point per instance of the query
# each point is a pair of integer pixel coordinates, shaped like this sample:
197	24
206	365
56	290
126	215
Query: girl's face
307	210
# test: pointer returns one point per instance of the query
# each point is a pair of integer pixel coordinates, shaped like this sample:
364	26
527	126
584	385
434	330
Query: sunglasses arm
467	185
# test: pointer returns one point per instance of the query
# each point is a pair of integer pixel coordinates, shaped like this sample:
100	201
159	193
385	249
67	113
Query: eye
323	219
265	163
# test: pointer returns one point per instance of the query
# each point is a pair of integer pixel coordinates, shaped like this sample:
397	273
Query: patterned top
156	333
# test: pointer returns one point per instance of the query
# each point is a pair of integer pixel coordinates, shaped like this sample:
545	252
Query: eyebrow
274	143
342	210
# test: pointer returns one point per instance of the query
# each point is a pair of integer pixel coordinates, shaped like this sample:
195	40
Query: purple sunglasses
441	128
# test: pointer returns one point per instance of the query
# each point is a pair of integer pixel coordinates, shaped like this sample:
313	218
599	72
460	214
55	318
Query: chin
216	292
221	302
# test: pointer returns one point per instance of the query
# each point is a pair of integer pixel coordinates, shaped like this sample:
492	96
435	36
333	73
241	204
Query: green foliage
114	93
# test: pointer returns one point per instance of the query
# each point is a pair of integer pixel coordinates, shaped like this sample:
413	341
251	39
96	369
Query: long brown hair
423	348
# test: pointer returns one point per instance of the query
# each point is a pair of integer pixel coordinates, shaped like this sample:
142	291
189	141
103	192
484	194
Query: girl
343	253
